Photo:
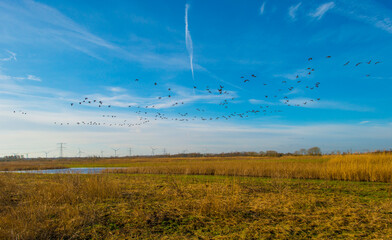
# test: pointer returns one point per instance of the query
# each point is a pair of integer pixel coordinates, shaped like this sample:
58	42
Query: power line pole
130	151
153	151
80	153
46	154
61	148
101	154
115	151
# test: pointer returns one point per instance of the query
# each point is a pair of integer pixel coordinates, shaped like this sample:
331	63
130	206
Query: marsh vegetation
201	198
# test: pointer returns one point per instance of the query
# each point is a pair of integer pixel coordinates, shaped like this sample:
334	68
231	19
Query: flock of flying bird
275	98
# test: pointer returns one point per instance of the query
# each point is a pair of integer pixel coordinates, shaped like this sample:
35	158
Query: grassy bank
36	206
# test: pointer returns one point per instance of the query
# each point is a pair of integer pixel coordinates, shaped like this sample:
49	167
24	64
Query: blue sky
53	53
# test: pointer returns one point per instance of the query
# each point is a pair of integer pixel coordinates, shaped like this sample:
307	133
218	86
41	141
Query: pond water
67	170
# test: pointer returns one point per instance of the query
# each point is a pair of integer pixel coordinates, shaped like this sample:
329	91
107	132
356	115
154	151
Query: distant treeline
314	151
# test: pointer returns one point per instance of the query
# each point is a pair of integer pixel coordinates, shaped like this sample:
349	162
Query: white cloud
369	12
24	135
385	24
322	9
188	39
12	56
116	89
327	104
293	76
39	23
12	78
262	8
33	78
293	11
258	102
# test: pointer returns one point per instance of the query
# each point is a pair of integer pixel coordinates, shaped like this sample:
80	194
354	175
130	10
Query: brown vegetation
360	167
110	206
363	167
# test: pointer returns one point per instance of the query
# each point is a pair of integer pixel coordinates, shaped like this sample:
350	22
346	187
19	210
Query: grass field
361	167
202	198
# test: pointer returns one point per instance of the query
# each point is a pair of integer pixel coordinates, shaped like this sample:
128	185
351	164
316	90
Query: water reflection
68	170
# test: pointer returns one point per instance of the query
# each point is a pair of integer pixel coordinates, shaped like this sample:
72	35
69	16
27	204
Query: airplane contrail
188	40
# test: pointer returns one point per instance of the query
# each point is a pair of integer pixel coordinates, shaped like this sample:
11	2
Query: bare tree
314	151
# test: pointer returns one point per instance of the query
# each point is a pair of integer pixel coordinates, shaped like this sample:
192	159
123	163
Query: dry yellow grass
364	167
361	167
110	206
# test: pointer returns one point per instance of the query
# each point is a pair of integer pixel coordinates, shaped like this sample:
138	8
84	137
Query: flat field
346	197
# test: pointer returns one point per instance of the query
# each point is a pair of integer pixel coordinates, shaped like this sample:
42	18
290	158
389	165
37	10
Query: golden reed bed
362	167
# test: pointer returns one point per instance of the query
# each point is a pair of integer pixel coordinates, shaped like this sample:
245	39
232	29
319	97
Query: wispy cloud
12	56
262	8
292	76
33	78
12	78
369	12
258	102
211	136
322	9
116	89
188	39
327	104
293	11
44	24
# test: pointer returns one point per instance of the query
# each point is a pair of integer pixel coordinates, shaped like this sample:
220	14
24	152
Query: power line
61	148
